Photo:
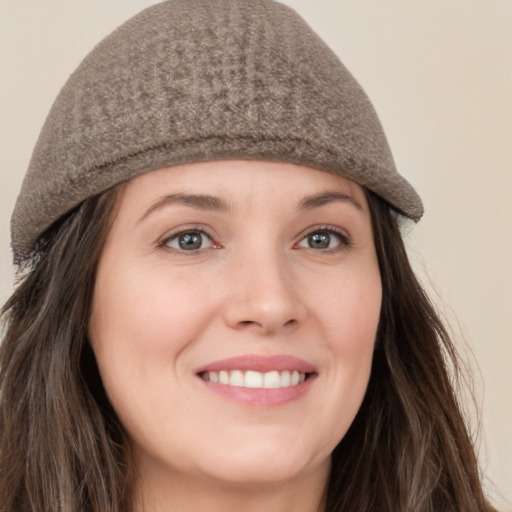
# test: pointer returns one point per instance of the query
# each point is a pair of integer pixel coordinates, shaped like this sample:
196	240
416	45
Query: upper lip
259	363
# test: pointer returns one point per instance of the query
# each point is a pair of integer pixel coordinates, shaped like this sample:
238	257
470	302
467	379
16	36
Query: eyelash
345	241
164	243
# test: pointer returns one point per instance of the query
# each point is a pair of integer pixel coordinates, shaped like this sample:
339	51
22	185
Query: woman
218	311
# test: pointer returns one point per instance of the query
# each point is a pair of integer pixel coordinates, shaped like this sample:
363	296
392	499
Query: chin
261	472
263	463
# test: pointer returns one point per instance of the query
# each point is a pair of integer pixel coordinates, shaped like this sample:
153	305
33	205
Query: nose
263	297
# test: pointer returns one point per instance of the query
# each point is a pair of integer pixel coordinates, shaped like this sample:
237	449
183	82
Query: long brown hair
409	448
63	449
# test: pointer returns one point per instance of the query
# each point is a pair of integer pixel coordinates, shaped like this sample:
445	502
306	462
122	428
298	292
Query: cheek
350	309
357	328
362	306
139	326
351	313
150	312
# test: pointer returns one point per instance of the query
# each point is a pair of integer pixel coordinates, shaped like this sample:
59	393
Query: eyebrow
326	197
212	203
197	201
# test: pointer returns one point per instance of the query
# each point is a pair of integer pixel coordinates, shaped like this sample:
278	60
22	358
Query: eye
192	240
325	239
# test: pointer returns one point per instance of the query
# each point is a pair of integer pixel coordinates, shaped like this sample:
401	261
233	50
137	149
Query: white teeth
271	380
236	378
252	379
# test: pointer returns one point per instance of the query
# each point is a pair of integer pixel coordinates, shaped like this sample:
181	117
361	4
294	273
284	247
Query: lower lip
260	397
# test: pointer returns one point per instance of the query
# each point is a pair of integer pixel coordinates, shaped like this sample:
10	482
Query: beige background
440	75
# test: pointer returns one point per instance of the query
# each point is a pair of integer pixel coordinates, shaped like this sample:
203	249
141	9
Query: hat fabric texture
197	80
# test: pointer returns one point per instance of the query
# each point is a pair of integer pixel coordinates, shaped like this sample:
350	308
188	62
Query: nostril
247	323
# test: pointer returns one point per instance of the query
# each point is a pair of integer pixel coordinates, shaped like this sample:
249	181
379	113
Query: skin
254	287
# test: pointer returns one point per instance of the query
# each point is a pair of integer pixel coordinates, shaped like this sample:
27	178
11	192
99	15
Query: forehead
239	181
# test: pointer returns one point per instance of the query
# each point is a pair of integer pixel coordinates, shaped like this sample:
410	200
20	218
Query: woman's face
234	317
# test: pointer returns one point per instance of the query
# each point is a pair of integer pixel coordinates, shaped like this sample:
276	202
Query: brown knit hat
196	80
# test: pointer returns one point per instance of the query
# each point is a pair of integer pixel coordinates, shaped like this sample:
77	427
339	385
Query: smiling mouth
256	380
